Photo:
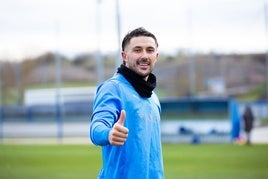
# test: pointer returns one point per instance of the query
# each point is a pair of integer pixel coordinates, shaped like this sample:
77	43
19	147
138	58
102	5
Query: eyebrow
150	47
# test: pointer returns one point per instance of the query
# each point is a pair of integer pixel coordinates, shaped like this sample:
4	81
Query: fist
118	134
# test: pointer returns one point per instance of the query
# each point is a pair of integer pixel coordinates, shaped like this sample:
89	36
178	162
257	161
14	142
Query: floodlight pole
100	64
58	88
58	95
266	49
118	60
191	59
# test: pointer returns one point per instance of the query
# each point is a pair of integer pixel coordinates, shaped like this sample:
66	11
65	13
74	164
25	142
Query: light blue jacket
141	155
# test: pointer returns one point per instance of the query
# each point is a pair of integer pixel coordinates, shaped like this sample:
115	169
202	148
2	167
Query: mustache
143	60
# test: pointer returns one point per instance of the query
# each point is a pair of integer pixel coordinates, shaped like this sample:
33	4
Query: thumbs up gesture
118	134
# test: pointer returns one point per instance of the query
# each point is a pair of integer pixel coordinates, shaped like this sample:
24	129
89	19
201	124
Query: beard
138	67
143	66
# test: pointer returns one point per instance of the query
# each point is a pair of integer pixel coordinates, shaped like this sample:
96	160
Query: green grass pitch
186	161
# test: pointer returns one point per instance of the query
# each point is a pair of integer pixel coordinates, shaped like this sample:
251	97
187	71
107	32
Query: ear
124	56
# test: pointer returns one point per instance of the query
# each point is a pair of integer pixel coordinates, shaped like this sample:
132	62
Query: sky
29	28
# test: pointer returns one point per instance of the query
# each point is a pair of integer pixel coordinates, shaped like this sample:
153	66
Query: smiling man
126	114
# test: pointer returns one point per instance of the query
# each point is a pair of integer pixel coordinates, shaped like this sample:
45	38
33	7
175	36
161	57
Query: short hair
136	33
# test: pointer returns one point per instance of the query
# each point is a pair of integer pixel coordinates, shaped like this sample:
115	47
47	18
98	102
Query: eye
150	50
137	50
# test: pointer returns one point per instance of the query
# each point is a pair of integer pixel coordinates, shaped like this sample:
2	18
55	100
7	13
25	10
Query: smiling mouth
143	62
143	66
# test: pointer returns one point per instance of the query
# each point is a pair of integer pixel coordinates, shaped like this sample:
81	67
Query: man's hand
118	134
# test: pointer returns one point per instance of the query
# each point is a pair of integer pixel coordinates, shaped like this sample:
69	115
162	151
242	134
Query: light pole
100	71
192	88
100	64
118	23
266	49
58	87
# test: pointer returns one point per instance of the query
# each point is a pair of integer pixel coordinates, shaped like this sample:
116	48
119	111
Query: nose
144	54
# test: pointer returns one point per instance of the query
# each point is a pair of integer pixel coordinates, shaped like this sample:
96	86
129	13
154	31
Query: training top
141	155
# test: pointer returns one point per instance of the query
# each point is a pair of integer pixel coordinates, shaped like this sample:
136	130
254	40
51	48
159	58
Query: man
248	123
126	114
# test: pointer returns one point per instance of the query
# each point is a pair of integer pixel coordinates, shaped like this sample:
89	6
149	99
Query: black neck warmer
144	88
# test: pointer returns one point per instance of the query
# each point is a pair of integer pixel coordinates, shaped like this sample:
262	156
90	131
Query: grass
49	161
203	161
216	161
253	94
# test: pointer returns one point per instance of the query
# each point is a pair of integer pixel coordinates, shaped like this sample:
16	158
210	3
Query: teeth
143	63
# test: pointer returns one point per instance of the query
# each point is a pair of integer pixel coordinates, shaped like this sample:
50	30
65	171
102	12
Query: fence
183	119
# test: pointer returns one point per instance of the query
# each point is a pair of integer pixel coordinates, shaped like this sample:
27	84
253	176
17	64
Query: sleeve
106	110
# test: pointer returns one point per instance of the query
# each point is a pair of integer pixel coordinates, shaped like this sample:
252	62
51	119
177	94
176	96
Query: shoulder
112	85
156	100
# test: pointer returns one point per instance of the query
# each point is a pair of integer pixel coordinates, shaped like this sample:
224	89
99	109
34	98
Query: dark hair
136	33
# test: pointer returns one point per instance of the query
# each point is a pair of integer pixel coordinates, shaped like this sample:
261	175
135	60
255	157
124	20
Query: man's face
140	55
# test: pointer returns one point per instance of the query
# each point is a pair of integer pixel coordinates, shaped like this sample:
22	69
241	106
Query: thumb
122	117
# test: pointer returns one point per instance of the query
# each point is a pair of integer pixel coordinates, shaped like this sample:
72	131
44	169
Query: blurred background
213	62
